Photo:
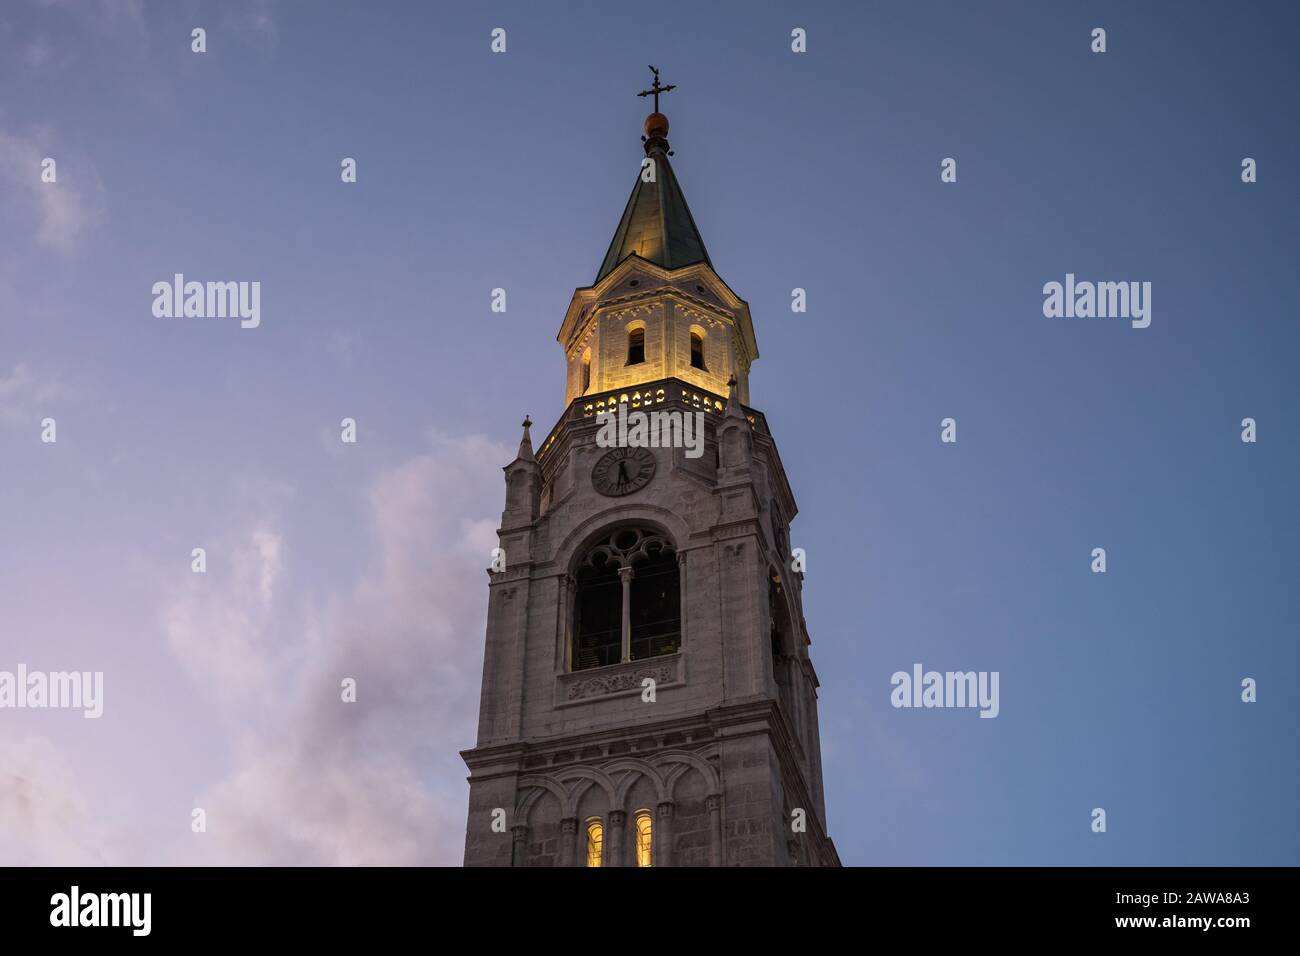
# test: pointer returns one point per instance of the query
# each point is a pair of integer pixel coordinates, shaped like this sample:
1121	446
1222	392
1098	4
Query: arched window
783	654
598	628
636	569
644	839
655	594
586	371
778	620
780	532
697	351
595	842
636	347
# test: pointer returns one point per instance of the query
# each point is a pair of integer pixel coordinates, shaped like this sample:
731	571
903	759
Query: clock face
623	471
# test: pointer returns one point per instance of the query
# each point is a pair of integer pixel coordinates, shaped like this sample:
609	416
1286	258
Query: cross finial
656	88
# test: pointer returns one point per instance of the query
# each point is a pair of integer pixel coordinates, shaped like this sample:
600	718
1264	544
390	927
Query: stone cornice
701	272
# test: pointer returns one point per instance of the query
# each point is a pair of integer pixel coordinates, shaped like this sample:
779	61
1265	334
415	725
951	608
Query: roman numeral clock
623	471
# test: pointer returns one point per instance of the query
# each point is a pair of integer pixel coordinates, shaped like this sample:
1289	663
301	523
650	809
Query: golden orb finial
656	124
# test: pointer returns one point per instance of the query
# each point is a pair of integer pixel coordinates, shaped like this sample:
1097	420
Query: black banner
332	906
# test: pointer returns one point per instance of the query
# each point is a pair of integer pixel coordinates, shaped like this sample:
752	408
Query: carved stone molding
631	312
702	318
619	679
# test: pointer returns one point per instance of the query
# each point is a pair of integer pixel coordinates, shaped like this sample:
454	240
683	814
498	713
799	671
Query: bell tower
648	697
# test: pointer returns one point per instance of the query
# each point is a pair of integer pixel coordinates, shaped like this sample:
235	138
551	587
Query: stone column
625	575
714	803
566	587
662	846
568	841
614	838
519	844
682	605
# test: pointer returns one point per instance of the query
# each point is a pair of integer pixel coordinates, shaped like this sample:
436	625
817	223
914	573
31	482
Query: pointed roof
526	443
733	409
657	224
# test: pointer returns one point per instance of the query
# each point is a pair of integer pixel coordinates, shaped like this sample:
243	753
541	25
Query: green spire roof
657	224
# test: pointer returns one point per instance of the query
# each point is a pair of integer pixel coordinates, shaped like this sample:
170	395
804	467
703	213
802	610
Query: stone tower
648	698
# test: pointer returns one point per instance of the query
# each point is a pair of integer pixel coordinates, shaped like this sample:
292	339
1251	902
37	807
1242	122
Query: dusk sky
816	170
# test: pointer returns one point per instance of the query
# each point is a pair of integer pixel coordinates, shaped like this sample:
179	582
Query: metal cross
656	89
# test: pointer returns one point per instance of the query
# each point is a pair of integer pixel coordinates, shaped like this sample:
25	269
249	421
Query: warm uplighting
644	839
636	346
595	842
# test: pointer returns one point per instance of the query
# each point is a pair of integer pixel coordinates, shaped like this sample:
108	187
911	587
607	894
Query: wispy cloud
255	18
106	16
26	396
37	53
44	817
219	629
61	210
379	781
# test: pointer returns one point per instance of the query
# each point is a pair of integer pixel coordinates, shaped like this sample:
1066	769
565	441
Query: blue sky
818	171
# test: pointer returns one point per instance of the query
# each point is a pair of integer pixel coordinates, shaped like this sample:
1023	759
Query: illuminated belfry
648	697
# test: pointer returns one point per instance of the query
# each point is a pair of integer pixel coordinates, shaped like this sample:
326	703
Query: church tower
648	697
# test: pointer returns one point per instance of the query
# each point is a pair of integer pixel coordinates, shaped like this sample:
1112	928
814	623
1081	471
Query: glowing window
644	839
586	371
595	842
697	351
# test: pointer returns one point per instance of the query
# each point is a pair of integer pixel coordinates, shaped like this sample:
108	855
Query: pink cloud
378	781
